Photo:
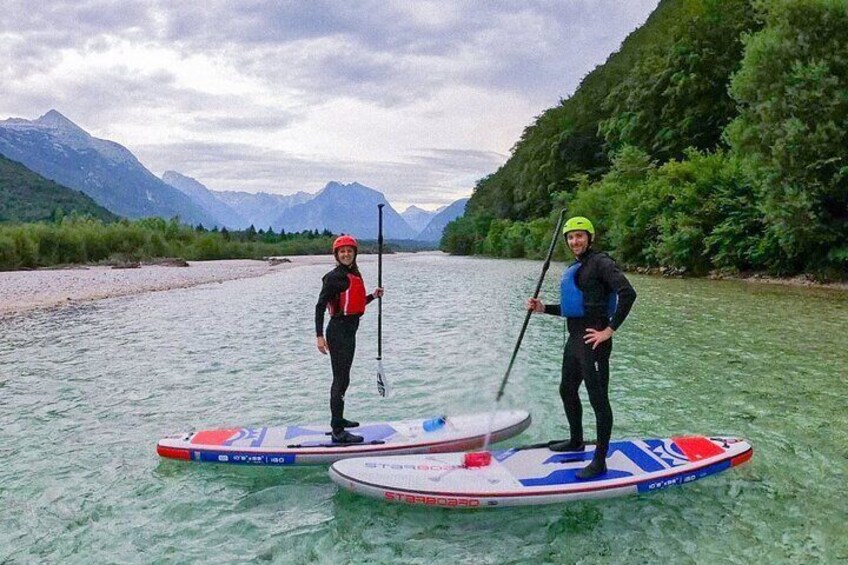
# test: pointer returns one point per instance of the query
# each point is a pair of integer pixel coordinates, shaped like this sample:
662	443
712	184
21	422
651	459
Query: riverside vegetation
44	224
78	239
716	139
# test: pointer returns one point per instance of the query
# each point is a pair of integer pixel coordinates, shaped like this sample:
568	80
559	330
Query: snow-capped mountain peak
56	121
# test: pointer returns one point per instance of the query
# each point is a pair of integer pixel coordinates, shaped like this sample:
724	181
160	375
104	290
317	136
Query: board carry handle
301	446
548	444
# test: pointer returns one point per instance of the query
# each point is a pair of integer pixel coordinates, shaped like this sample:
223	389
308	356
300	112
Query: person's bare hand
322	345
597	337
535	305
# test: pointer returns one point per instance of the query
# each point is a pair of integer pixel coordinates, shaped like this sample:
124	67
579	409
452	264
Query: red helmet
343	240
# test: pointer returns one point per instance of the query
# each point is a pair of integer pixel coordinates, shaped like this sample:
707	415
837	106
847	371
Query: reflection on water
86	391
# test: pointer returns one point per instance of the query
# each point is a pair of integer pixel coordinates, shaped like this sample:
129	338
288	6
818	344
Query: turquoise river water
86	391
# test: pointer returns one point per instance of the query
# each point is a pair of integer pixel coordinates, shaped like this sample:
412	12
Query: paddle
545	266
382	383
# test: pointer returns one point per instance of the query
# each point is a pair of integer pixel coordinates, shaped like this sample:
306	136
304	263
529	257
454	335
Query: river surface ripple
86	391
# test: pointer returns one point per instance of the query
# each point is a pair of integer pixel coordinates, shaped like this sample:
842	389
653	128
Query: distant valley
55	148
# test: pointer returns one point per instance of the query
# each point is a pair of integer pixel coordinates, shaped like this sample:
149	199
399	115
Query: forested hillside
28	197
715	138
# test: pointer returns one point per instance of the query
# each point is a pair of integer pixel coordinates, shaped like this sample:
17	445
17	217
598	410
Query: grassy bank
86	240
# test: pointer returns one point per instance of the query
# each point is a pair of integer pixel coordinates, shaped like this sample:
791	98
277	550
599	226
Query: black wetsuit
597	278
341	338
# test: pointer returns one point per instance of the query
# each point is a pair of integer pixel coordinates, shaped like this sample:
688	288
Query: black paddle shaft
545	266
380	280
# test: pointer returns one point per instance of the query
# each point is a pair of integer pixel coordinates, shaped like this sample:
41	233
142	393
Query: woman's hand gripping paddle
382	383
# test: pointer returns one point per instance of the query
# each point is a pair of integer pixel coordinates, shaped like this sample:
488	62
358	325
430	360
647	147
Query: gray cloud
539	49
429	177
71	23
263	119
375	47
288	60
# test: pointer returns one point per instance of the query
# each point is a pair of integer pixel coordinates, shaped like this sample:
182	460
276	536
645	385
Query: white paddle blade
382	384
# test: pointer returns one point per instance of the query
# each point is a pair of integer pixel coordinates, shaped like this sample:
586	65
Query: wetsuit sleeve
369	299
334	283
618	283
553	309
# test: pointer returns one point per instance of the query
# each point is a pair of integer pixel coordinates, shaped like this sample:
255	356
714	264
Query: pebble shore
22	291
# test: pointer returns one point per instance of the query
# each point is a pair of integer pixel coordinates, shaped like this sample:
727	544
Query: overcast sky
417	99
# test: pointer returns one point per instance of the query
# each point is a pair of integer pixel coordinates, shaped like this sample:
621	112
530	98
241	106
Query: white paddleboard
310	444
538	475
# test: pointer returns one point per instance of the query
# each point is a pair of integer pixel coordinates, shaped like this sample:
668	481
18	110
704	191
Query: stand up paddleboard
310	444
523	476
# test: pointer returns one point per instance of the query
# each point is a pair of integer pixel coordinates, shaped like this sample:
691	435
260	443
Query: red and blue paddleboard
310	444
537	475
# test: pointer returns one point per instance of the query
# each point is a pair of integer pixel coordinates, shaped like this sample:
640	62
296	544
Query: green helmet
578	223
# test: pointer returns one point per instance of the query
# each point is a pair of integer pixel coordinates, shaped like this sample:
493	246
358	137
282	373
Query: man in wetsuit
595	299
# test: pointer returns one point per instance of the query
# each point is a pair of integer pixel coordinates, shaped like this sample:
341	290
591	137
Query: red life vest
351	301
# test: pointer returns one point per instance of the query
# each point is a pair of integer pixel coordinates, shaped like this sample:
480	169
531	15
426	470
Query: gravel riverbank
22	291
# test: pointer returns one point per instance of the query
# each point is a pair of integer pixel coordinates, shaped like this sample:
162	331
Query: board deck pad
311	443
522	476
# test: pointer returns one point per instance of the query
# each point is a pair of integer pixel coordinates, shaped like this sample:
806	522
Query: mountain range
261	208
57	149
223	213
418	218
434	228
346	208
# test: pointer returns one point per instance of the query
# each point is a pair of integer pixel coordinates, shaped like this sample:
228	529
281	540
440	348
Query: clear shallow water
85	393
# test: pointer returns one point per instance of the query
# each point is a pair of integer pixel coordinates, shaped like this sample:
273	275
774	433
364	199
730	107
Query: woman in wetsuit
595	299
343	294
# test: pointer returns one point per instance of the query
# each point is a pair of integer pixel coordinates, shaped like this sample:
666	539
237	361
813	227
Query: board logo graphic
668	452
252	435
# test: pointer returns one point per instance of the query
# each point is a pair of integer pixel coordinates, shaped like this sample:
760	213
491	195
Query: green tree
792	90
676	96
708	216
563	141
465	235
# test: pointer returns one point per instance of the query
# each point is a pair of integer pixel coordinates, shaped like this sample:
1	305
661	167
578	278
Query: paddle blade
382	384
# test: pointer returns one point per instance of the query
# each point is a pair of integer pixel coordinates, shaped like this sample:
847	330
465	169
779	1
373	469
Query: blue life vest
571	297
